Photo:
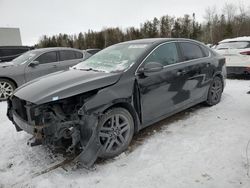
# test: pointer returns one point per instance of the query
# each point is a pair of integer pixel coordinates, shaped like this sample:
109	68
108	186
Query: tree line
232	21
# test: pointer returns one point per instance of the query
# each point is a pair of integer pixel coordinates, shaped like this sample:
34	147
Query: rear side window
191	51
67	55
48	57
79	55
165	54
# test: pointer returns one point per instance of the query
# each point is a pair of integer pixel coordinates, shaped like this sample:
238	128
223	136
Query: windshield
115	58
233	45
24	57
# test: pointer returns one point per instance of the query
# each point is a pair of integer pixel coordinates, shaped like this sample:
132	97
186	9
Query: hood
64	84
6	64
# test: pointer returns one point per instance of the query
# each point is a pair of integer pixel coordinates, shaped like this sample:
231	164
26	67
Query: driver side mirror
34	63
151	67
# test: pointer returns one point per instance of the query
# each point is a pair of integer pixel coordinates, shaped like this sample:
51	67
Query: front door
164	91
47	63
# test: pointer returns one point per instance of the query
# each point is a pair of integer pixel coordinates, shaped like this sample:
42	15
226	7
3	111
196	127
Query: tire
7	88
115	132
215	91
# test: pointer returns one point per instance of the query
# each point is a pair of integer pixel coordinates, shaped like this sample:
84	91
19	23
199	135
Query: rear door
69	58
198	69
48	63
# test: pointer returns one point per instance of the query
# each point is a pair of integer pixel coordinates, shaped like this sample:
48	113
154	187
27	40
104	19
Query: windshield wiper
222	48
91	69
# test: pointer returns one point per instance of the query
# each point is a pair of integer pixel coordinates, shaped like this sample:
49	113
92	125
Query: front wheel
215	91
116	129
7	87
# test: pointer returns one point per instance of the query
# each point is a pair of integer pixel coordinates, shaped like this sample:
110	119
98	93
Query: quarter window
165	54
78	55
191	51
206	52
48	57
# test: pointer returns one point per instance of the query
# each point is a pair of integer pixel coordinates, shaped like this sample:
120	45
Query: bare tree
229	10
210	16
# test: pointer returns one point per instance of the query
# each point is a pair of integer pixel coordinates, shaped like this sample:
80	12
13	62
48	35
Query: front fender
105	98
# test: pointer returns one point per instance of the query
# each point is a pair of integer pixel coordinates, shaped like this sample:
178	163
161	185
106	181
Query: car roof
53	49
158	40
245	38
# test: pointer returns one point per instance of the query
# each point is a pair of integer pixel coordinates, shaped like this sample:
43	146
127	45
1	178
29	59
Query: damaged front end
63	124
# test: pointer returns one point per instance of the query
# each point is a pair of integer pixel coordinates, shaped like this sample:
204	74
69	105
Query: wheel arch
220	75
130	109
10	79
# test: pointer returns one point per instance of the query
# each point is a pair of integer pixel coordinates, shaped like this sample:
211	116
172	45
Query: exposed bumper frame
92	146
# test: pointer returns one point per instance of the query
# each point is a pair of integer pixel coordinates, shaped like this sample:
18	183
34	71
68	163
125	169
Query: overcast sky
38	17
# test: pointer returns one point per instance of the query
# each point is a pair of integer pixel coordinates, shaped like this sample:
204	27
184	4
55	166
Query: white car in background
237	54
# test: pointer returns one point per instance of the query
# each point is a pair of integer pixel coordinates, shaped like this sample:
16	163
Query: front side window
191	51
48	57
27	56
165	54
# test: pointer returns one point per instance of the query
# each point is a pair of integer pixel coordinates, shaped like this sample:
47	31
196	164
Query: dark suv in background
8	53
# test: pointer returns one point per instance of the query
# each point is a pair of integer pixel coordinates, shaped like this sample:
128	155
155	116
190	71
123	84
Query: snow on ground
201	147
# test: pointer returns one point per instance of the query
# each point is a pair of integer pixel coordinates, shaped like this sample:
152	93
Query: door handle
181	72
54	66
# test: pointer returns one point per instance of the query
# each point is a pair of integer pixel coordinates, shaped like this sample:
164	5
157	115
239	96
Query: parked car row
94	108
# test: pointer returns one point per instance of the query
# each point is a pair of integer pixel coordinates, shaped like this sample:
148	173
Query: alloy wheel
114	133
216	90
6	90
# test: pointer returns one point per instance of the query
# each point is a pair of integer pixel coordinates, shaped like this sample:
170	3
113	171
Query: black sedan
95	108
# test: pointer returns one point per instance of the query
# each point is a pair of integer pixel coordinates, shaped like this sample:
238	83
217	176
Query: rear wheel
116	129
7	87
215	91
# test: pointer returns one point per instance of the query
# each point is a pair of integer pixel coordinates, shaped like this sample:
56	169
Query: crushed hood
64	84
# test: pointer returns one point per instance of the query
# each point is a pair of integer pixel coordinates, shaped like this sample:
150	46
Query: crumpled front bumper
88	135
23	125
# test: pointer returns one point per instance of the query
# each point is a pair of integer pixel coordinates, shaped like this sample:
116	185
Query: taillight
245	53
